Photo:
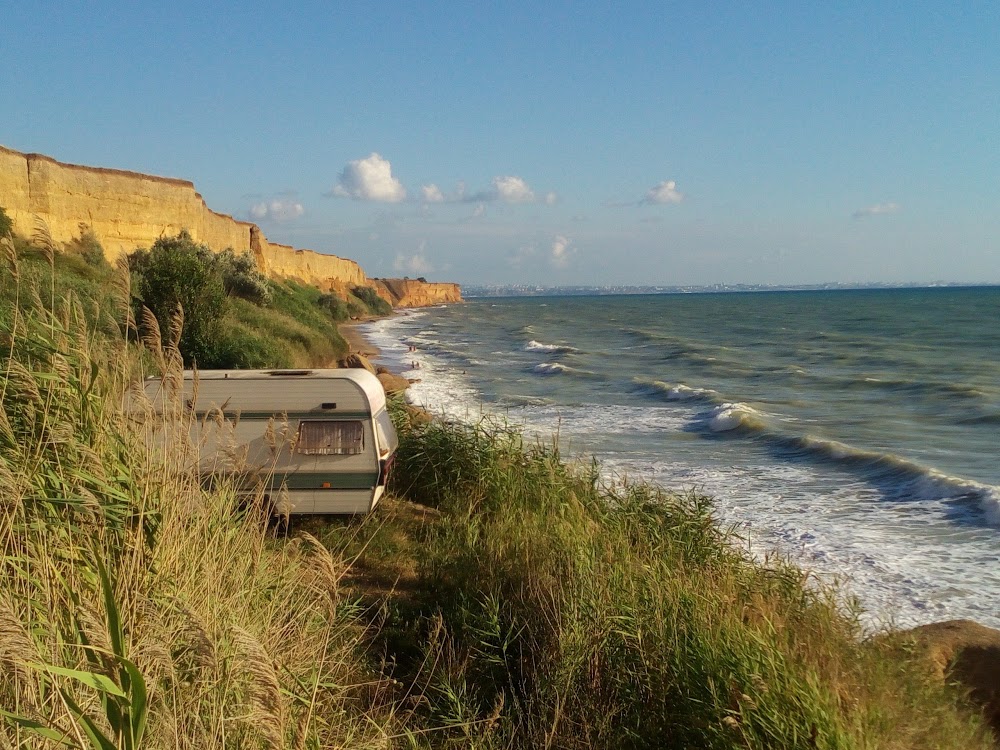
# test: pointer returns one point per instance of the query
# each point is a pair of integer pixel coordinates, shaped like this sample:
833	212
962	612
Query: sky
549	143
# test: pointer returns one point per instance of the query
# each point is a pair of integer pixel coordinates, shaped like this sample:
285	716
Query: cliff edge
126	210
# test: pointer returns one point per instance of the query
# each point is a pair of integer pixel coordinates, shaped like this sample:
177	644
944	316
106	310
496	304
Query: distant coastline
529	290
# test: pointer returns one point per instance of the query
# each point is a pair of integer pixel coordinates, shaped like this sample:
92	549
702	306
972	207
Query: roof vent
289	373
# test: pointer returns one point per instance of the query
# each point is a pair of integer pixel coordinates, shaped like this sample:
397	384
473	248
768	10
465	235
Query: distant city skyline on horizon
560	145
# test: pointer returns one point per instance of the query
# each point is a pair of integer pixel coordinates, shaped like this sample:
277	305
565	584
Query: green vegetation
137	608
88	247
179	280
233	316
559	612
6	224
370	299
522	603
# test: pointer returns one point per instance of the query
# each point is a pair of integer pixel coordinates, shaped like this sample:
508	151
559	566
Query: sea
855	432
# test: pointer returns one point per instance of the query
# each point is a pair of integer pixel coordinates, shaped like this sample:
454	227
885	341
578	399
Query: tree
178	270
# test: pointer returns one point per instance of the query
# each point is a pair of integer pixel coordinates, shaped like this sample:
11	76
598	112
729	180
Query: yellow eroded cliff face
126	210
415	293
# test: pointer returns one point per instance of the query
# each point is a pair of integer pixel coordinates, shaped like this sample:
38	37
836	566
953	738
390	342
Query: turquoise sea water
857	431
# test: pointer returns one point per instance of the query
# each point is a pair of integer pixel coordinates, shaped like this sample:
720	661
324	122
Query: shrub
139	608
375	304
179	271
88	247
567	613
336	306
6	224
242	278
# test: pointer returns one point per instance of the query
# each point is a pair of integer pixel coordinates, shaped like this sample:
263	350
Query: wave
538	346
944	388
677	391
551	368
556	368
732	416
517	399
901	478
988	419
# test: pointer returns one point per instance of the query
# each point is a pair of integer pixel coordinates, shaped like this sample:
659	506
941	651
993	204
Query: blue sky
551	143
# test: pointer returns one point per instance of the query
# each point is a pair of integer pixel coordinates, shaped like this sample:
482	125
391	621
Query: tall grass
565	613
137	608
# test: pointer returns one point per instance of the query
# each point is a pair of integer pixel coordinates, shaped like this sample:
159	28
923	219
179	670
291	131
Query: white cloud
413	264
551	199
510	189
479	210
416	264
664	192
431	193
369	180
879	209
562	251
276	210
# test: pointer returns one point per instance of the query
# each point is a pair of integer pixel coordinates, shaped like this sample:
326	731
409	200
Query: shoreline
357	342
810	538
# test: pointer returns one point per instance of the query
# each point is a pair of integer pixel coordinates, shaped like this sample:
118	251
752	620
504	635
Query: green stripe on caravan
325	480
329	415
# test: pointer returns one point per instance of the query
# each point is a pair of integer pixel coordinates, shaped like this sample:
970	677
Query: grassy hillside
274	324
139	609
535	606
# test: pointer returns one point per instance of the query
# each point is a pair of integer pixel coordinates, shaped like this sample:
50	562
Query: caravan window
343	438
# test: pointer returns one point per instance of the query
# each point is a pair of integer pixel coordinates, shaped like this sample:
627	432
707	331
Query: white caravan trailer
321	440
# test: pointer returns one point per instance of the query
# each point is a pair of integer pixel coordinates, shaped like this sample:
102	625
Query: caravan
320	440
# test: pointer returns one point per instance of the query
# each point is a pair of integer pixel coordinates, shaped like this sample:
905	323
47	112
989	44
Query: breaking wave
538	346
899	478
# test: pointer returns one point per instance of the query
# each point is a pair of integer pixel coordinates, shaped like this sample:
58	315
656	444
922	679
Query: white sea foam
731	416
935	485
551	368
538	346
679	391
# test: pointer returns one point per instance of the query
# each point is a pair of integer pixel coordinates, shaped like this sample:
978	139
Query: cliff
416	293
126	210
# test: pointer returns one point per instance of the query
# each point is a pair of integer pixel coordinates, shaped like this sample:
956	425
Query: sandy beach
356	341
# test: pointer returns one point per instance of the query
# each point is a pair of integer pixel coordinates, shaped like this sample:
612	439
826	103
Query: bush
375	304
88	247
242	278
139	608
6	224
337	307
179	271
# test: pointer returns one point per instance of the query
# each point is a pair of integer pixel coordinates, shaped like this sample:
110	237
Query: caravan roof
298	388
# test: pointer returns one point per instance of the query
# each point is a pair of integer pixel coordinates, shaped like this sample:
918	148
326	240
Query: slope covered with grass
558	611
235	318
139	609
